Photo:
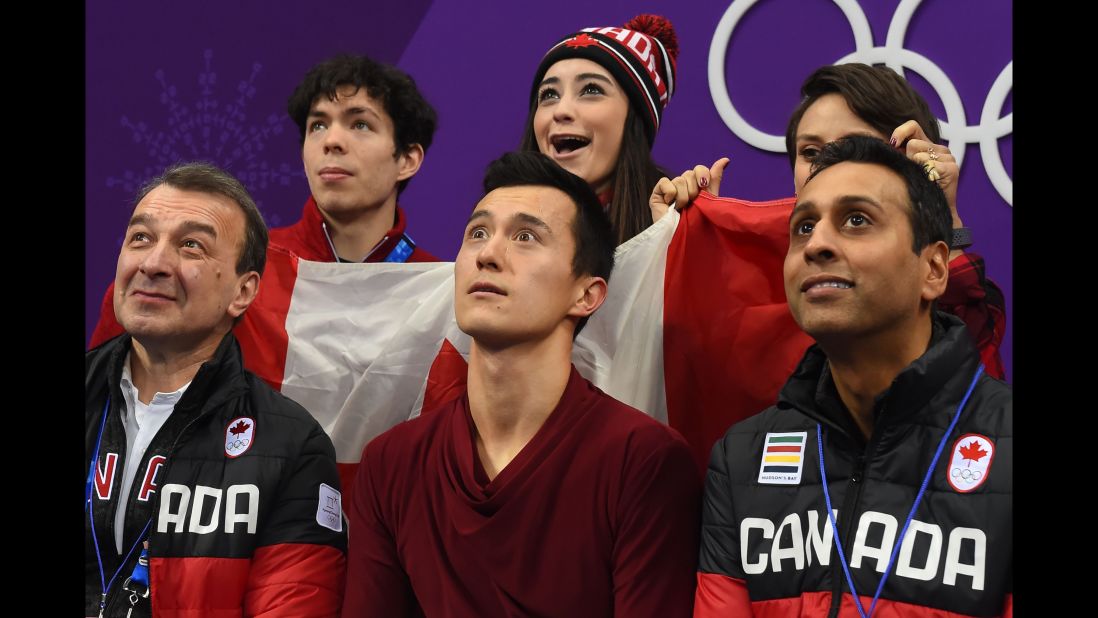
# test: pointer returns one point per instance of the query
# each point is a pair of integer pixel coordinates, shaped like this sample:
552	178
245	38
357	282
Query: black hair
929	214
591	229
876	94
414	120
205	177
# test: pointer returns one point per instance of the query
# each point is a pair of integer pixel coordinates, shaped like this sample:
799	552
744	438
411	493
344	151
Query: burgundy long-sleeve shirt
597	516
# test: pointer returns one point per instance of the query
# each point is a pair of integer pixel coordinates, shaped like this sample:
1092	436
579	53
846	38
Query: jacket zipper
850	504
112	596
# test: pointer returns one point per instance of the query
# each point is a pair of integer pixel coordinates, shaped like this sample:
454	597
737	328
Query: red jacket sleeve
656	530
299	567
379	585
721	595
979	302
108	327
295	579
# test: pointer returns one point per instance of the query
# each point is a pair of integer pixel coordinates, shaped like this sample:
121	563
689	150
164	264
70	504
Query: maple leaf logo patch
972	451
970	462
239	436
581	40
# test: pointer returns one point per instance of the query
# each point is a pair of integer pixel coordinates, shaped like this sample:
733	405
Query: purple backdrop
210	80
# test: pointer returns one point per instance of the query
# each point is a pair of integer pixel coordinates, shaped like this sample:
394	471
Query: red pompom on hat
641	55
657	26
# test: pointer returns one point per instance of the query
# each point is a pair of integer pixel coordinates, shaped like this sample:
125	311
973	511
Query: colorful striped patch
783	458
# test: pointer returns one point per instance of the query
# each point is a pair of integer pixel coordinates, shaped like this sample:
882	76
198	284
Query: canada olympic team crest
239	436
955	128
970	462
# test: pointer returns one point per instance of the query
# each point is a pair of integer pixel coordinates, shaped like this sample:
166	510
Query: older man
207	492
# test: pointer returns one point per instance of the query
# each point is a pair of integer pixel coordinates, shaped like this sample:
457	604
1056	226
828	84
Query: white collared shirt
142	422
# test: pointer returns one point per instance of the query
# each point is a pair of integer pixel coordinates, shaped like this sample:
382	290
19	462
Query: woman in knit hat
595	106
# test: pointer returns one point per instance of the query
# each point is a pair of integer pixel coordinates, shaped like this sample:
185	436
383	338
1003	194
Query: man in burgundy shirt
534	493
365	129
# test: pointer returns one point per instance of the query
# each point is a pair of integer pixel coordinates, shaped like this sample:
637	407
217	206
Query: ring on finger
933	155
932	171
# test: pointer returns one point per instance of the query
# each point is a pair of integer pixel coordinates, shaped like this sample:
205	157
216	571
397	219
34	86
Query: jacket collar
947	365
212	385
314	235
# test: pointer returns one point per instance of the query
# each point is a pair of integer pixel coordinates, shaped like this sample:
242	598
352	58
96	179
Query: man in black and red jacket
208	493
882	478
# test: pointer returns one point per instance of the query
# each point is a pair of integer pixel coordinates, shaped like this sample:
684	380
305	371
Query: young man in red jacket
365	129
534	493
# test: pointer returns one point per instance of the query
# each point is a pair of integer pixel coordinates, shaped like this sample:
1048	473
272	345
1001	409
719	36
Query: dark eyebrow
533	221
801	206
521	217
808	137
349	112
184	228
849	200
355	111
846	200
141	219
580	77
478	214
193	226
596	76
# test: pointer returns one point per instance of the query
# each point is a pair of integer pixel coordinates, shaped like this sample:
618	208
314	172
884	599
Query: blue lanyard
103	583
910	515
402	251
95	455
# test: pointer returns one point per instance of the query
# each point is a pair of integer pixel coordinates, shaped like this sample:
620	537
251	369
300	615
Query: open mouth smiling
567	144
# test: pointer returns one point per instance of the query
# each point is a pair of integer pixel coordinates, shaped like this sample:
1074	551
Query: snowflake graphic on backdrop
209	128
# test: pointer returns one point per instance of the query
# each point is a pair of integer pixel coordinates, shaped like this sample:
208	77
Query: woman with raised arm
858	99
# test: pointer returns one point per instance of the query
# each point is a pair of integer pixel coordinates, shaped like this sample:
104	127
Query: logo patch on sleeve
329	509
970	462
239	436
783	458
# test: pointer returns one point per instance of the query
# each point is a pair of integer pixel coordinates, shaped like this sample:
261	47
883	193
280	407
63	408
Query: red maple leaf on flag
973	451
239	428
583	40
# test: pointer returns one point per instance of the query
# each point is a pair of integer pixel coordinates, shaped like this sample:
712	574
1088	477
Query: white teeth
833	284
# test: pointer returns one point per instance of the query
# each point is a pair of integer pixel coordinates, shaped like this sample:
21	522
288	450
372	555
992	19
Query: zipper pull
859	468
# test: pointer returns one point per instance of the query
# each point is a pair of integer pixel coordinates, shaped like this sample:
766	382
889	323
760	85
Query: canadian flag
695	330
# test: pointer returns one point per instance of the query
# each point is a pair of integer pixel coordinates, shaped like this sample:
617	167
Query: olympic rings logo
955	129
969	476
236	444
